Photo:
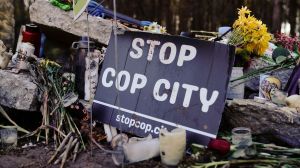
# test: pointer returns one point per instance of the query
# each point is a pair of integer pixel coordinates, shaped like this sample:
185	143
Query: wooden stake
67	151
75	151
60	147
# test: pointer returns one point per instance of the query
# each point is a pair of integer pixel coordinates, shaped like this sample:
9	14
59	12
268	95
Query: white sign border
156	119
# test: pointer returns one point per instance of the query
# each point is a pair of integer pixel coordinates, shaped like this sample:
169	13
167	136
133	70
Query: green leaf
280	59
240	153
197	148
250	152
280	51
287	166
263	166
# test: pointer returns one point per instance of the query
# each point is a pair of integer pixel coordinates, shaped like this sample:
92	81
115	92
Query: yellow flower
250	33
47	63
155	28
244	11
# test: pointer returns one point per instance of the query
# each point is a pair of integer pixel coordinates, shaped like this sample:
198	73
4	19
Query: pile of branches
56	92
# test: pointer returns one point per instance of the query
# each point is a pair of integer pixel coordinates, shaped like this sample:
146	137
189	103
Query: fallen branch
12	122
68	143
101	147
53	87
45	114
75	151
8	127
60	158
64	152
60	147
71	142
61	133
33	133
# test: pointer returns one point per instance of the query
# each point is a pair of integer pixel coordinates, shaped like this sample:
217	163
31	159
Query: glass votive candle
241	136
9	137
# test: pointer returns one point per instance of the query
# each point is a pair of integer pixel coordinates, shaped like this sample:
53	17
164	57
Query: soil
37	157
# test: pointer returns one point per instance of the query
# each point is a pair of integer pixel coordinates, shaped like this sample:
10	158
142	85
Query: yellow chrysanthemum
244	11
250	33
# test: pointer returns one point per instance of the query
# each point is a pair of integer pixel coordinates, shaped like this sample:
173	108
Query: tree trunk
186	15
293	7
276	24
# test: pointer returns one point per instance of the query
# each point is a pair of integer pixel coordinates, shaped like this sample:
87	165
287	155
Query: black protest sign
164	81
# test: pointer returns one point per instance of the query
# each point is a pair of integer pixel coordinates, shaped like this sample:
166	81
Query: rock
257	63
7	22
43	13
281	122
17	91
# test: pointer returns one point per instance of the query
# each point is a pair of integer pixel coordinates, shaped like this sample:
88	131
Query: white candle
9	137
172	145
139	149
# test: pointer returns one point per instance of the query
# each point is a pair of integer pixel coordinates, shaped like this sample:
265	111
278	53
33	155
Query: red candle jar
32	35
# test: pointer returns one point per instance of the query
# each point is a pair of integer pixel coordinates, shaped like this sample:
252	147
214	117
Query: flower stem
216	164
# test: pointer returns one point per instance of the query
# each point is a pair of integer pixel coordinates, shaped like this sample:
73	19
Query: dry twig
12	122
60	147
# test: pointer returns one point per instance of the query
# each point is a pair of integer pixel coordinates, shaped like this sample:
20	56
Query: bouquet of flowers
249	33
286	55
250	36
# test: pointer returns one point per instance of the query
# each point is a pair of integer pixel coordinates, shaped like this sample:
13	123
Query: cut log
17	91
45	14
281	122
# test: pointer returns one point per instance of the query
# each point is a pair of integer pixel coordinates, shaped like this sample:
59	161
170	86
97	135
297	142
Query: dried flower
48	63
250	33
290	43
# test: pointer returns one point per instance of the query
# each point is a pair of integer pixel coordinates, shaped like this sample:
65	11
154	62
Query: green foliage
280	52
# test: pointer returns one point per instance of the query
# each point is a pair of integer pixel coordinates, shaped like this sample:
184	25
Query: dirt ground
37	157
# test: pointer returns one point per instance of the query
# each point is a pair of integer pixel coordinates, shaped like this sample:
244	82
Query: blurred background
186	15
175	15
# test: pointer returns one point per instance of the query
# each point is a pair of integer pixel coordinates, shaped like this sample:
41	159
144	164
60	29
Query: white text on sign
139	81
123	80
186	52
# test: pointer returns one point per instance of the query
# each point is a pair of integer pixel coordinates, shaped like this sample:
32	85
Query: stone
7	22
43	13
264	119
17	91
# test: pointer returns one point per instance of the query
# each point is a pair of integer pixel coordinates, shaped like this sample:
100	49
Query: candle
241	136
172	145
9	137
139	149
